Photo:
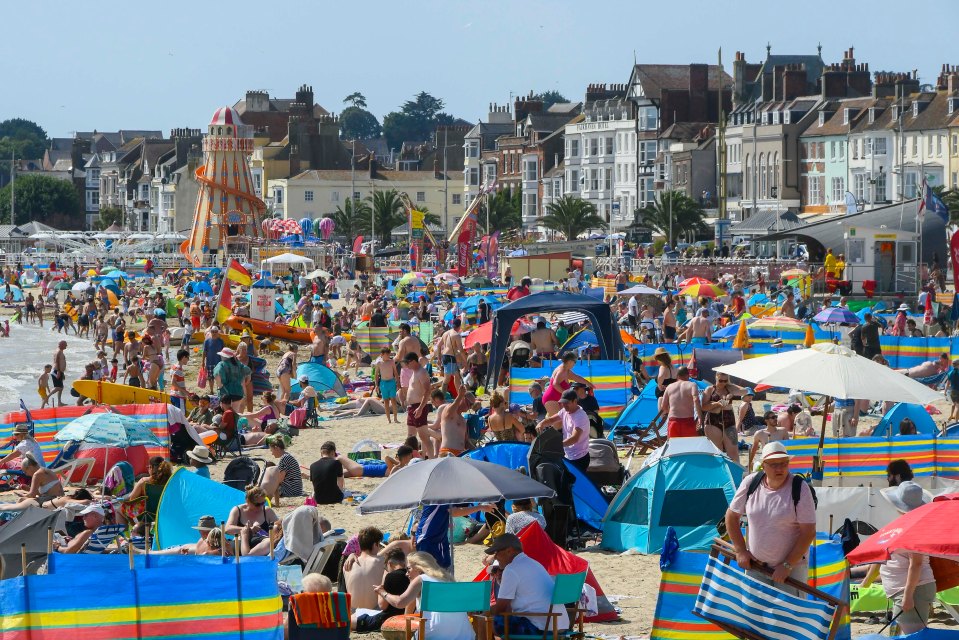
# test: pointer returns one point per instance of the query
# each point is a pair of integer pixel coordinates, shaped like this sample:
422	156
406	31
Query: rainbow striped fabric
869	456
372	339
97	597
47	422
904	353
612	380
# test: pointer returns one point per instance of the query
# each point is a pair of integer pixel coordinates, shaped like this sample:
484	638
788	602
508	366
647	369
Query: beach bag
497	529
298	417
201	378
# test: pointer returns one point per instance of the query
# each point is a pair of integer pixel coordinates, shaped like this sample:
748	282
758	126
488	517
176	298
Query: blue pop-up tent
686	484
888	427
322	378
185	498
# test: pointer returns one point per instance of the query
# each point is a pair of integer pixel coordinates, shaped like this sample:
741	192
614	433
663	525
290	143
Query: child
385	376
114	363
178	378
43	384
188	330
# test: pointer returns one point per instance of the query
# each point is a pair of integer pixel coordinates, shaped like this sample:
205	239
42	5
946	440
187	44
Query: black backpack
798	480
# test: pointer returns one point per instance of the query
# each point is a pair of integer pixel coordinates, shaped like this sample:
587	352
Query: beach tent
185	498
600	313
888	427
27	527
686	484
588	501
584	339
556	560
322	378
641	411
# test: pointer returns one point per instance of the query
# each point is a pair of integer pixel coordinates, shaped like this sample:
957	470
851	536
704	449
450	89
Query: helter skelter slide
226	198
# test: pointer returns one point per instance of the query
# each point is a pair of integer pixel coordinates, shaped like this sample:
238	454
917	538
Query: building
691	149
479	147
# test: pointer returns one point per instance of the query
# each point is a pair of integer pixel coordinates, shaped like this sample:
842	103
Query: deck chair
319	616
645	439
566	588
66	465
311	420
323	551
103	537
454	597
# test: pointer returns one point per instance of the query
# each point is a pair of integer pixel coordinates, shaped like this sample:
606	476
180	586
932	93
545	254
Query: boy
188	331
114	364
178	390
43	384
386	382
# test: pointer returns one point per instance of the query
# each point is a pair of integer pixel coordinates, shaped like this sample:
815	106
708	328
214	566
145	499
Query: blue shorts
698	340
388	389
449	365
373	468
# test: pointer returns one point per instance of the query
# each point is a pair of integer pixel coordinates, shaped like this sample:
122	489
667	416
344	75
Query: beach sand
630	581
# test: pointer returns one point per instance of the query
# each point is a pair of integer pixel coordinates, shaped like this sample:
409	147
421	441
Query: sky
108	65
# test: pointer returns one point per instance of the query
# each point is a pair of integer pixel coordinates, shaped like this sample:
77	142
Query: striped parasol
778	323
694	280
707	290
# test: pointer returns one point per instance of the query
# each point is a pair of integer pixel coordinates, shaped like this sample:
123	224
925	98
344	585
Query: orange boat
272	329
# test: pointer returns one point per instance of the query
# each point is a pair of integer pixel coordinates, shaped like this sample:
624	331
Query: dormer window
787	117
895	112
951	105
872	115
765	117
822	118
915	109
775	117
846	116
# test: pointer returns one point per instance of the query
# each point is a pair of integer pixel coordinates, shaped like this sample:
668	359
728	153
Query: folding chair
454	597
103	537
566	588
66	465
311	421
322	552
319	616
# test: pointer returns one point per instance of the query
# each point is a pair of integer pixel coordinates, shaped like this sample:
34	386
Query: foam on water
22	357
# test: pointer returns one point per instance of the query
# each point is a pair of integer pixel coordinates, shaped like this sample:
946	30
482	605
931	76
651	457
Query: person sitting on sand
365	570
284	479
23	444
254	512
395	582
404	456
272	410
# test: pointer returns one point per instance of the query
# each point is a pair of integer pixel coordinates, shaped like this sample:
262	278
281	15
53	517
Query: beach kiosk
880	259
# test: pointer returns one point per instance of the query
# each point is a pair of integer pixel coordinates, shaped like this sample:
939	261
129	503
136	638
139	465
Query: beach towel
329	610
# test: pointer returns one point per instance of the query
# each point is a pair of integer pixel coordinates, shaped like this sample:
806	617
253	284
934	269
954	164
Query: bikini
724	419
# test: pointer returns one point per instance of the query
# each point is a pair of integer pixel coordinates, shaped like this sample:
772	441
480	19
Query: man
320	346
788	309
680	403
364	570
771	432
451	354
782	519
523	585
93	516
385	382
870	333
912	331
632	313
212	347
543	340
59	374
520	291
669	321
622	280
452	432
418	397
575	425
700	329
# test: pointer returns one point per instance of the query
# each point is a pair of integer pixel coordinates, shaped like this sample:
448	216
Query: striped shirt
292	485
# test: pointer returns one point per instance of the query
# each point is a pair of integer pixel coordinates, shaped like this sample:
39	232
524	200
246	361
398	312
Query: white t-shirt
633	306
33	448
528	585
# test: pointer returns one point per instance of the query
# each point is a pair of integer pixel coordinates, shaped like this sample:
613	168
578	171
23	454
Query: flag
492	256
929	200
357	245
27	416
237	273
224	306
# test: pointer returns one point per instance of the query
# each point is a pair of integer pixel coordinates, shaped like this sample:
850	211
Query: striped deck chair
103	537
749	608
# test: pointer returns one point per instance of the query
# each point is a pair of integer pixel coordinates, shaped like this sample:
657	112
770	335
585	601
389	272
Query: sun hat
227	352
205	523
903	307
200	454
748	391
774	450
93	508
22	427
907	496
660	351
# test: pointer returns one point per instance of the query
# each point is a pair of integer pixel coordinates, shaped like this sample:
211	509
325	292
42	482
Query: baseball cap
569	395
93	508
748	391
504	541
774	451
303	378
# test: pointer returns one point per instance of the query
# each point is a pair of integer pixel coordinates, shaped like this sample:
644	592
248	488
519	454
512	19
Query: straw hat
774	451
205	523
661	351
907	496
200	454
22	427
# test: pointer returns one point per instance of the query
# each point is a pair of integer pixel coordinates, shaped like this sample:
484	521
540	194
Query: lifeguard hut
881	260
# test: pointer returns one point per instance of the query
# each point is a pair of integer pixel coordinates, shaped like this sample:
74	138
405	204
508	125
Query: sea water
23	355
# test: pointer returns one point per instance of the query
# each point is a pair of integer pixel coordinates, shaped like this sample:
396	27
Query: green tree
108	216
352	218
356	99
44	199
23	138
571	216
550	98
357	123
504	214
388	212
687	215
416	120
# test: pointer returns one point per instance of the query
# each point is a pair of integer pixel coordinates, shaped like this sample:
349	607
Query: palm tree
503	214
352	218
687	215
571	217
388	212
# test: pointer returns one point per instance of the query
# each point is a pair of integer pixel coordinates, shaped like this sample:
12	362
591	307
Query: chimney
833	82
499	114
698	92
849	60
596	92
257	101
906	85
304	95
859	81
884	84
522	107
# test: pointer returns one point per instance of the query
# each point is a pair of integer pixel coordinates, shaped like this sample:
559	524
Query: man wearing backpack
781	513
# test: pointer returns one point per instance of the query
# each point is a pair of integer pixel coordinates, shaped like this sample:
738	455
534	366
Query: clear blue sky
107	65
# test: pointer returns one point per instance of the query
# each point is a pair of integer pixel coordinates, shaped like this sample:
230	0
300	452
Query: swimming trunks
681	428
388	389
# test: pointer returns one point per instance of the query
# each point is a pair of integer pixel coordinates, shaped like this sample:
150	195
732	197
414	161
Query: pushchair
243	472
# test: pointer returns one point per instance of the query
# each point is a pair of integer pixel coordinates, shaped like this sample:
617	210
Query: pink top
773	519
572	421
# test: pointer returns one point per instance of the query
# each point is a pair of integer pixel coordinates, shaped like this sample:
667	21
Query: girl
560	382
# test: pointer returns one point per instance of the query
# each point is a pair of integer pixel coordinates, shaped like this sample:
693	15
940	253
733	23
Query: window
648	117
490	174
855	149
868	147
855	250
457	198
859	186
594	147
879	146
910	185
334	196
929	145
846	115
609	145
955	144
594	179
574	148
915	145
939	145
308	195
356	195
472	149
838	190
421	196
258	182
95	198
842	150
872	115
529	205
472	176
647	191
547	190
832	150
144	192
529	170
955	180
647	152
278	195
609	179
880	195
815	190
573	181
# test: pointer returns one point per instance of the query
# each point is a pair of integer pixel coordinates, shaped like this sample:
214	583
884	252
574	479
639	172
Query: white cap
774	450
93	508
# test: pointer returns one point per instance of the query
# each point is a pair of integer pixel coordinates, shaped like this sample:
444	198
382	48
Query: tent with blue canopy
185	498
322	378
888	427
589	502
581	340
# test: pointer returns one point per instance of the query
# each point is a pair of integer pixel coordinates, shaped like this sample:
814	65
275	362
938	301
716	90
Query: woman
524	514
439	625
253	514
284	480
231	375
667	372
24	445
899	322
273	410
135	504
44	486
906	577
478	365
502	423
284	371
746	419
560	382
153	361
243	356
719	419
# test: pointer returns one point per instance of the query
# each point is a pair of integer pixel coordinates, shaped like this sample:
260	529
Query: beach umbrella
928	530
639	290
793	273
80	287
694	280
451	480
116	273
62	286
478	282
836	315
778	323
741	341
706	290
412	278
109	429
449	277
